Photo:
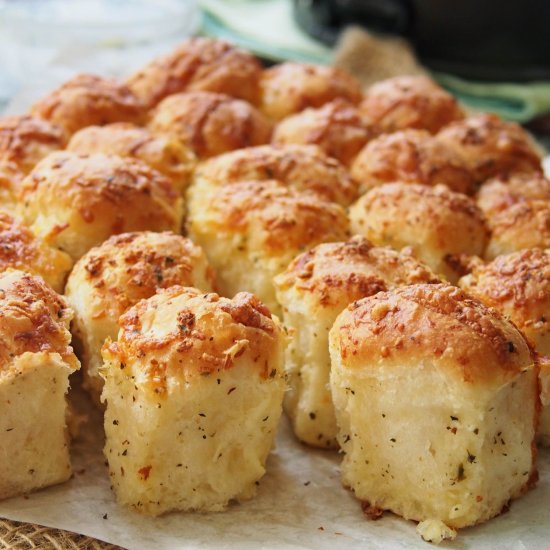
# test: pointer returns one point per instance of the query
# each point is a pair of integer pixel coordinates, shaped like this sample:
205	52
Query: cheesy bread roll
114	276
251	231
289	88
75	201
35	363
210	124
437	223
193	387
436	400
313	290
199	64
88	100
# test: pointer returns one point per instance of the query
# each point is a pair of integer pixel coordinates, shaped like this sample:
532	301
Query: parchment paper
300	504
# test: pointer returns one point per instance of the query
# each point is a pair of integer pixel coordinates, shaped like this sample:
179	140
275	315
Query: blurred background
495	55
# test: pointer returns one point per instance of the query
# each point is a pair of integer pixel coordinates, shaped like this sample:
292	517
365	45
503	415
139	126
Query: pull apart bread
252	230
436	398
75	202
35	363
194	388
114	276
313	290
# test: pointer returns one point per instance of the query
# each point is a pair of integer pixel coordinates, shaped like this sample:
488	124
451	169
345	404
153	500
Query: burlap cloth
370	59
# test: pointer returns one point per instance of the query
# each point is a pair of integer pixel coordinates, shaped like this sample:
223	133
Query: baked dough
10	182
289	88
199	64
338	128
210	124
164	153
114	276
35	363
194	388
410	156
75	202
436	400
312	291
86	100
441	226
251	231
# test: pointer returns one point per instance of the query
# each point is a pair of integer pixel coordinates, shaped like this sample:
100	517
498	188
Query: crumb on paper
435	531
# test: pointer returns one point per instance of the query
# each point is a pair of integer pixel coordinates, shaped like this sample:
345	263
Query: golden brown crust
410	156
210	124
338	128
499	193
490	146
25	140
518	285
97	196
346	271
181	332
409	102
10	183
303	167
88	100
163	153
277	217
199	64
290	87
20	249
523	225
133	266
439	323
33	318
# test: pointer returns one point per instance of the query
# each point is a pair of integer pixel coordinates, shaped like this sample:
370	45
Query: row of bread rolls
194	376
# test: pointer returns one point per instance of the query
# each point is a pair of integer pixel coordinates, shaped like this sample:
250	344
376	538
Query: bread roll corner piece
34	378
436	401
191	419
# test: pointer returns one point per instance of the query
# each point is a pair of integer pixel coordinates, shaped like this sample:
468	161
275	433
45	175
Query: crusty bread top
490	146
409	102
181	332
274	217
290	87
439	324
304	167
33	318
25	140
209	123
339	273
199	64
86	100
413	156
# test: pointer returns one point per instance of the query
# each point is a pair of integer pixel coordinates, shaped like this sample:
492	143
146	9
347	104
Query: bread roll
114	276
302	167
199	64
409	102
491	147
210	124
20	249
35	363
289	88
161	152
25	140
10	183
87	100
194	388
499	193
410	156
251	231
75	201
337	128
518	285
312	291
436	400
437	223
523	225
